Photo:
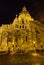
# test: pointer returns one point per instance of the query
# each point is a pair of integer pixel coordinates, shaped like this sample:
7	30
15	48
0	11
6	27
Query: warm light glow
36	64
24	34
34	42
35	54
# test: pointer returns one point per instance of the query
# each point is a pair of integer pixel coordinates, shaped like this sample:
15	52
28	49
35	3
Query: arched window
22	21
23	26
20	26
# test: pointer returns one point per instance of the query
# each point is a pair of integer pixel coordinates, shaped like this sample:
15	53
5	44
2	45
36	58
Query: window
9	39
20	26
22	21
26	20
41	46
23	26
37	31
16	26
26	38
38	38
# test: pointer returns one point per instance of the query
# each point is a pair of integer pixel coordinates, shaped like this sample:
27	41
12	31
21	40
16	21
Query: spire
24	9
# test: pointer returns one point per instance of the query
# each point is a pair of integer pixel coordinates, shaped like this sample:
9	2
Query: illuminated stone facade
24	33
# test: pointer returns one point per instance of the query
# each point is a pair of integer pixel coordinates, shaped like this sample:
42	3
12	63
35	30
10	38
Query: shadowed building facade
24	33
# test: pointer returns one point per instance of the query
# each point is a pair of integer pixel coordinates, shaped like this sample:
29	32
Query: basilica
24	33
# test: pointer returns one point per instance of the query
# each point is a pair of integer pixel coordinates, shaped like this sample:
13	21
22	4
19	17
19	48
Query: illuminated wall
24	33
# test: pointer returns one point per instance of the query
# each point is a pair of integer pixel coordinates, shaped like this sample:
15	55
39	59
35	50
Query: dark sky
9	9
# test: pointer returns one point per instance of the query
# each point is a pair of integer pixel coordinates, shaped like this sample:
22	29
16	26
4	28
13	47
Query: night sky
9	9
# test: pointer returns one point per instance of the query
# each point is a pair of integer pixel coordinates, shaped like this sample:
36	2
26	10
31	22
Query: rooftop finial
24	9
